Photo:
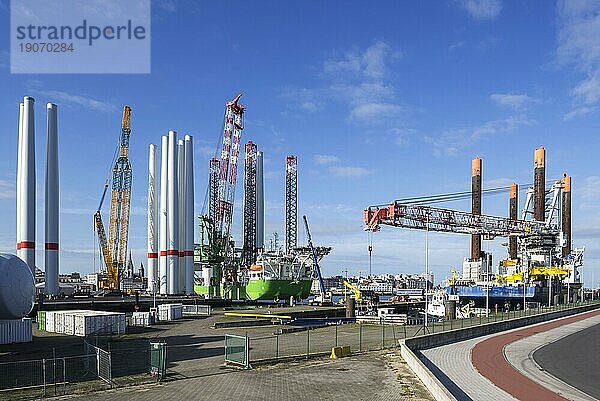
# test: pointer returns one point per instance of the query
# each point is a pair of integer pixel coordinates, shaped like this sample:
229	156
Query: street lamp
426	266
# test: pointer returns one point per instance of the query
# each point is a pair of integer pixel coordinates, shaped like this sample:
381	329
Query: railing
305	342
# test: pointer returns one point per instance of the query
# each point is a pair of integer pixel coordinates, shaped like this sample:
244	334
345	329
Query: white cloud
578	112
326	159
456	46
7	189
578	46
512	100
589	192
454	141
482	9
359	82
62	98
349	171
375	111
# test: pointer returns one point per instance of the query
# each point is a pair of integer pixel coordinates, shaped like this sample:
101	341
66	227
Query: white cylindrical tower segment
163	270
52	202
181	196
26	244
173	217
189	214
19	181
152	221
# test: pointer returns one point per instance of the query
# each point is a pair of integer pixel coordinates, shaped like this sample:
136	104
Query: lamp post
426	266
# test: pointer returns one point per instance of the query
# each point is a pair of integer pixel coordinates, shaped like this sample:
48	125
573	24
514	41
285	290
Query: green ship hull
266	290
278	289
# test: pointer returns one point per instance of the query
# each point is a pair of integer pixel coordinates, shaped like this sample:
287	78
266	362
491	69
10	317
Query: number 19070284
47	47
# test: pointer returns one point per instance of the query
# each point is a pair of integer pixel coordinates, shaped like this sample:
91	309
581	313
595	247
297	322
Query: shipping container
50	319
98	322
41	320
168	312
15	331
140	319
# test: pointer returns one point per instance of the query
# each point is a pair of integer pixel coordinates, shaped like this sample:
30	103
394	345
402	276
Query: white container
15	331
168	312
63	321
140	319
98	322
50	319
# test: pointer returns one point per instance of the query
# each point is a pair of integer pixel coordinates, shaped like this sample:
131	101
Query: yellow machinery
114	250
355	291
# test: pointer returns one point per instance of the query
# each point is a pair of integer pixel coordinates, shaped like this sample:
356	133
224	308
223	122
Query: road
574	359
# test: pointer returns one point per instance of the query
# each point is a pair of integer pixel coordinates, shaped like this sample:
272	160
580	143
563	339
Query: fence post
308	342
277	347
360	337
336	333
110	367
247	352
64	376
54	368
405	330
44	374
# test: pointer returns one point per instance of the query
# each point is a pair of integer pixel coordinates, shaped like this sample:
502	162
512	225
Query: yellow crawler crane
114	250
355	291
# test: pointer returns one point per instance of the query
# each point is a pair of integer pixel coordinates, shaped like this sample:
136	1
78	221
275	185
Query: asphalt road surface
575	360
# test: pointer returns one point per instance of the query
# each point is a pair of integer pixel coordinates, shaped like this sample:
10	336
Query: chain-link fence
307	341
105	363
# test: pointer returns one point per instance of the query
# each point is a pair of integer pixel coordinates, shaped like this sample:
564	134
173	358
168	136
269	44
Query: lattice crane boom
232	131
291	203
114	249
447	220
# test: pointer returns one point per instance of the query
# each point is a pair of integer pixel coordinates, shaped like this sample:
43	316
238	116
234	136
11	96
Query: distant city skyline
379	101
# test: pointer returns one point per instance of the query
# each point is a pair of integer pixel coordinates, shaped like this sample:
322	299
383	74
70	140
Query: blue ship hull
504	291
499	295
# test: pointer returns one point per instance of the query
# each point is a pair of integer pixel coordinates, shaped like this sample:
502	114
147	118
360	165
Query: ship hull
498	294
278	289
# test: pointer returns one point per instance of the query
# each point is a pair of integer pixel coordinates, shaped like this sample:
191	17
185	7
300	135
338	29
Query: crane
216	226
355	291
447	220
114	249
323	297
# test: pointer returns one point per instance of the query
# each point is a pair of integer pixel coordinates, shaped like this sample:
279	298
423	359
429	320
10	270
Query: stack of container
168	312
143	319
15	331
82	322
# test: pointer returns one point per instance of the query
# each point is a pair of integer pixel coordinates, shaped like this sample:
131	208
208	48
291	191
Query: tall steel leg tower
250	159
291	203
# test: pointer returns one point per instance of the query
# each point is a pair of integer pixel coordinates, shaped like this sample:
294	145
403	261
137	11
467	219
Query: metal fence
196	310
304	342
105	363
237	350
55	376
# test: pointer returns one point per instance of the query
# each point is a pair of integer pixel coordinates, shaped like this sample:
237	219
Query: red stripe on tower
26	245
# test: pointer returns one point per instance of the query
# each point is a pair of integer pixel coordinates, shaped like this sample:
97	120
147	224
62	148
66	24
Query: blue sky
379	100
